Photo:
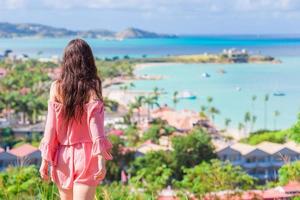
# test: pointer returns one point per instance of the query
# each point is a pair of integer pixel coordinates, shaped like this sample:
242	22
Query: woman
74	143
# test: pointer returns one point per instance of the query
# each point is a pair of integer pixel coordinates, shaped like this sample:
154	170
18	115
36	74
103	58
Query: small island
227	56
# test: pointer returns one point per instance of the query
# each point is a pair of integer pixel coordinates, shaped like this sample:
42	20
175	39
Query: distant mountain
9	30
138	33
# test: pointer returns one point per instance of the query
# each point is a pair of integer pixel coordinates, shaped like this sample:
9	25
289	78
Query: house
148	146
6	159
236	56
286	192
183	120
167	194
261	161
27	155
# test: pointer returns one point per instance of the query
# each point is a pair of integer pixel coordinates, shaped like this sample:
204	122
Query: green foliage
191	150
263	135
131	132
280	136
157	129
295	131
25	183
115	166
25	89
289	172
116	191
214	176
152	171
152	133
111	69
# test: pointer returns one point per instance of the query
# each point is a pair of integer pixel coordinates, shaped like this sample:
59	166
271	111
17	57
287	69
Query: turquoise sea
253	79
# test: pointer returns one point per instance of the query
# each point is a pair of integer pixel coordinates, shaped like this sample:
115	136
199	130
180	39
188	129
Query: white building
261	161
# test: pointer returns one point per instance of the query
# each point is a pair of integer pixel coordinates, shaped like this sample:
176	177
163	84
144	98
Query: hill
9	30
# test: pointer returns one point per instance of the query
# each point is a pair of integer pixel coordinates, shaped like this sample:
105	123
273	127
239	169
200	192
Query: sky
163	16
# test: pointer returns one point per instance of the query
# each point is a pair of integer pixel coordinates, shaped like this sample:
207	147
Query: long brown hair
78	79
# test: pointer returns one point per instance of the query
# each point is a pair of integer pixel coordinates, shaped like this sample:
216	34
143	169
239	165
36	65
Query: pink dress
72	149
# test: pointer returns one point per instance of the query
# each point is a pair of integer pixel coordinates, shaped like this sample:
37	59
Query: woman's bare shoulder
93	96
53	91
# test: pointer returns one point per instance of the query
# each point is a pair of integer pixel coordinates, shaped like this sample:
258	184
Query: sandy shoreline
154	64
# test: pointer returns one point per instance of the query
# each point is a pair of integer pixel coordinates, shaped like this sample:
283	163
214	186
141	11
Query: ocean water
271	45
253	79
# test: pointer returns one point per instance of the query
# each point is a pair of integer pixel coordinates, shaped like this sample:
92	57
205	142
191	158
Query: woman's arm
101	144
49	144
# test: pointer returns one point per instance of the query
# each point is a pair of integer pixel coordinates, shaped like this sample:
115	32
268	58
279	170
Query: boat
187	95
278	94
205	75
238	88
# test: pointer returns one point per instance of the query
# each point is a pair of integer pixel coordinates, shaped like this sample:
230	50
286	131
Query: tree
152	171
276	115
254	97
241	126
137	104
215	176
227	122
191	150
266	99
289	172
247	119
253	121
213	112
119	161
295	131
175	99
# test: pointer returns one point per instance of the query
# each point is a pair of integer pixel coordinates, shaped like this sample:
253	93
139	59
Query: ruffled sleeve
101	144
49	143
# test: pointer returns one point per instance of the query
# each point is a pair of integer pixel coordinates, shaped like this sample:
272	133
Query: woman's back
75	131
74	142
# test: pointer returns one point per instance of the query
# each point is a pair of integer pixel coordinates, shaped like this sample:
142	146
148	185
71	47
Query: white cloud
160	5
12	4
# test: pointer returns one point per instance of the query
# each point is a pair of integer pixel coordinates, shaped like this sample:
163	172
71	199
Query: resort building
287	192
6	159
26	154
237	56
148	146
183	120
261	161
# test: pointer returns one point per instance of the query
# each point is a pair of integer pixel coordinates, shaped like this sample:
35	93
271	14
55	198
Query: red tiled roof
23	150
167	198
274	193
292	187
117	132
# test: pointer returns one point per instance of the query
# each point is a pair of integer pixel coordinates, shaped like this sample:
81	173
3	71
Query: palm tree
247	119
124	88
253	120
227	122
203	110
156	93
209	99
137	104
213	111
254	97
240	126
150	101
266	99
175	99
275	114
